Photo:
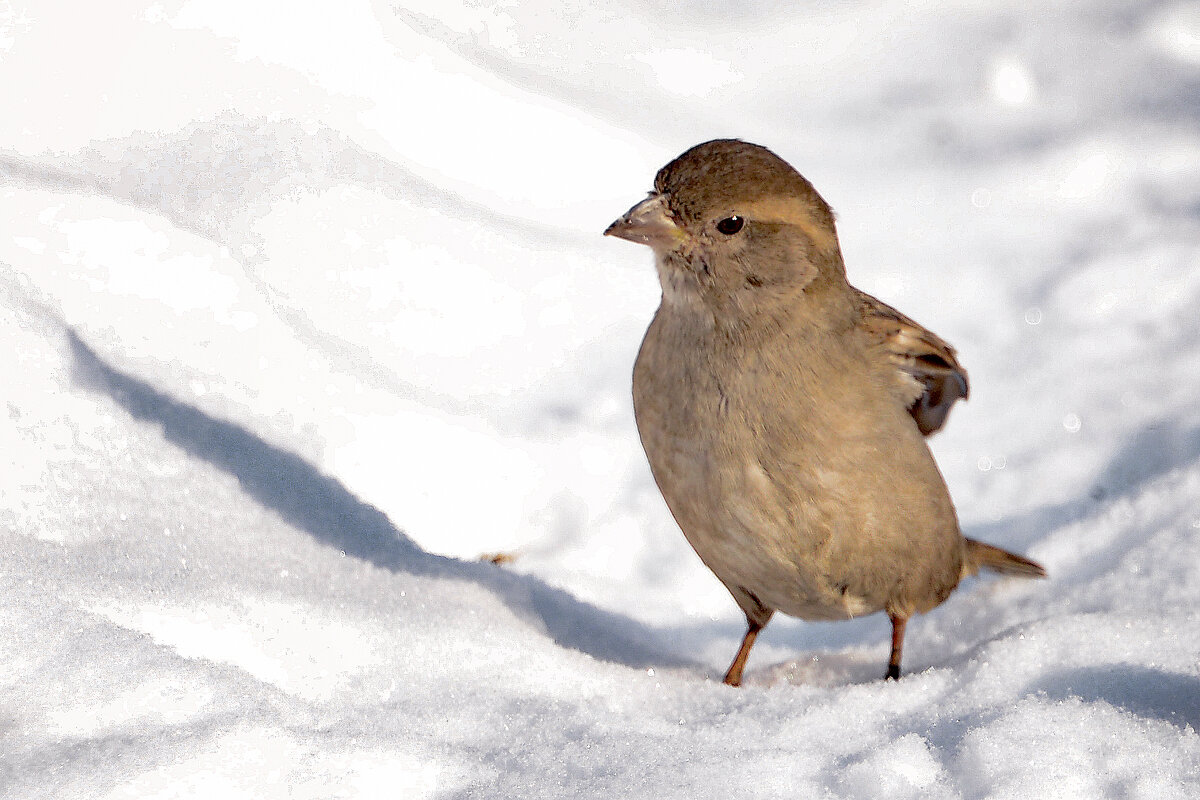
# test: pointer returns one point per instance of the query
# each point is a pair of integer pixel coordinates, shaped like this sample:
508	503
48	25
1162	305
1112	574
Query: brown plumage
783	411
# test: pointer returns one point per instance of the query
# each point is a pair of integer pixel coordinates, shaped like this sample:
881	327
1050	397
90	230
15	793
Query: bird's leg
733	676
893	670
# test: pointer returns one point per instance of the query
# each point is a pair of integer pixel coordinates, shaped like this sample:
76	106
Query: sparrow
783	411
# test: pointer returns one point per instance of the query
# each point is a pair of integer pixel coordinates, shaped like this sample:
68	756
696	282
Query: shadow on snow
330	513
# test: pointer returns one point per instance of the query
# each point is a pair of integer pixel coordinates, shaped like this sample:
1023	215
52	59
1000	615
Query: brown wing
932	379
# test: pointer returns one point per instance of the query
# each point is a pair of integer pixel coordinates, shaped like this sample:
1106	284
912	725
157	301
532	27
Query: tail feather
985	556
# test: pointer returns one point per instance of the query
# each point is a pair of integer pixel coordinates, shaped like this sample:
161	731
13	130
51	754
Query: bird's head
732	221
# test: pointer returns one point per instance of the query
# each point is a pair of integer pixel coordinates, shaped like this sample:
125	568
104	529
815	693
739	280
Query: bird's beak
649	222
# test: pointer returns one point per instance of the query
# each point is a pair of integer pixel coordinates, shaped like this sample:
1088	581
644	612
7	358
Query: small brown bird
783	411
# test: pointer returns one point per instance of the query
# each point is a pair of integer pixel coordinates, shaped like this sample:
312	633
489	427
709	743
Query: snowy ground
304	310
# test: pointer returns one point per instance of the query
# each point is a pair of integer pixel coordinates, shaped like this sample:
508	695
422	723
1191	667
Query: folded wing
930	378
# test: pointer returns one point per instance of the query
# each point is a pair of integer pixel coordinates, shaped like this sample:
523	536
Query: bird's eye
731	225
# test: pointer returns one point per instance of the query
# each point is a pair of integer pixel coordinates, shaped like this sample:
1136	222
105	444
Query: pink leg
734	676
893	670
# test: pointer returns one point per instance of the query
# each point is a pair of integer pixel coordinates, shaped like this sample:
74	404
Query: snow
305	310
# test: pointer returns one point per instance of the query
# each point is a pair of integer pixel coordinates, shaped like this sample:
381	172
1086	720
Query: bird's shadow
335	517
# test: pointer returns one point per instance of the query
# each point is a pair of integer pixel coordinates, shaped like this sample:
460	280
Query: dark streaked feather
925	362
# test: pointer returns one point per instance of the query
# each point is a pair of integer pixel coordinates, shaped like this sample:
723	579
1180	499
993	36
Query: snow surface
306	309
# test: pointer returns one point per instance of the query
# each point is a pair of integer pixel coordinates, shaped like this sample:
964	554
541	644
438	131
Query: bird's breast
788	472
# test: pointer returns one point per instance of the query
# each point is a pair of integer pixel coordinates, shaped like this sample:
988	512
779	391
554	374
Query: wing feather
930	378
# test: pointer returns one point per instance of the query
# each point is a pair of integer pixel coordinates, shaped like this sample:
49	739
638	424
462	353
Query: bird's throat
680	282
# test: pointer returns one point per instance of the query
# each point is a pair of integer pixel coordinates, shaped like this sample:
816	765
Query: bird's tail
985	556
